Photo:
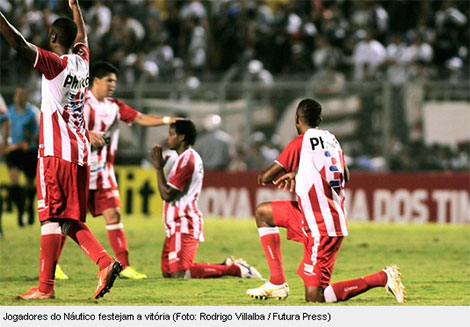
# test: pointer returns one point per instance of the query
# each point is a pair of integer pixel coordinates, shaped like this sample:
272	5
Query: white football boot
246	270
394	284
269	291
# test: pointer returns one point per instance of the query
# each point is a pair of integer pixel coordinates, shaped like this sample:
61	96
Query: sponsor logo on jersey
73	82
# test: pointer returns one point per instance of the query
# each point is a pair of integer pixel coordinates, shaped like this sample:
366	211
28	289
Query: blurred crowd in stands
361	39
330	41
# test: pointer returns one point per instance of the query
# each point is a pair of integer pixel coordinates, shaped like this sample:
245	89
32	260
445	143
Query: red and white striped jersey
183	214
103	117
319	160
62	131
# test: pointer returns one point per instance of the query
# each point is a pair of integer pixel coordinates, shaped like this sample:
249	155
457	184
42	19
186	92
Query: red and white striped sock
271	242
118	241
209	270
341	291
50	243
82	235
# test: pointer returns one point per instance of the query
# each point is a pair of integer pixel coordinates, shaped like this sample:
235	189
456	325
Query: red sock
350	288
271	242
82	235
209	270
117	239
50	243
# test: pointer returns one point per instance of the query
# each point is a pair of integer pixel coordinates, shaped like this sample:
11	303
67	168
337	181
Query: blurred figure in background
21	153
214	145
369	54
4	134
262	151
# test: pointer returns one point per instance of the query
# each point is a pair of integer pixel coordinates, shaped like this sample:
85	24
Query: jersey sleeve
126	113
290	157
81	50
49	63
184	172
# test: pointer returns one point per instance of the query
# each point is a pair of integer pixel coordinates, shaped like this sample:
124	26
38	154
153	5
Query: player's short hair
66	31
102	68
309	111
186	128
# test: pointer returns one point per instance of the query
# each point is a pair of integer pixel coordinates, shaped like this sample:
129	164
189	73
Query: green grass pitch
434	260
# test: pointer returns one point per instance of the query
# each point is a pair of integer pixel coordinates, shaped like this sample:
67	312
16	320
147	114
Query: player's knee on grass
314	294
264	215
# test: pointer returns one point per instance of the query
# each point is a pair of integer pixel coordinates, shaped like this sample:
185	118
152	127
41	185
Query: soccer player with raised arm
313	164
64	149
102	116
182	218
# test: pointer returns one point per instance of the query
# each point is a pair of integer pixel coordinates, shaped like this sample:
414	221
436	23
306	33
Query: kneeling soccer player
317	219
182	218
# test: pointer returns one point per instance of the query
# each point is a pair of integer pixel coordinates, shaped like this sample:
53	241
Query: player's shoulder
329	134
195	154
187	157
116	101
297	140
320	132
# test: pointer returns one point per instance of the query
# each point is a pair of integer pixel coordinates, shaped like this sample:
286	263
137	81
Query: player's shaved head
309	112
66	31
186	128
101	69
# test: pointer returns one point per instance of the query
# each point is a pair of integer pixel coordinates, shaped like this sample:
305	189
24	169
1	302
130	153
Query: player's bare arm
286	182
167	192
151	120
269	175
16	40
78	19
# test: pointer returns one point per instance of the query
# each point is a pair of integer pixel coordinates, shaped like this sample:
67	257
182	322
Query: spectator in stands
421	54
101	14
369	54
398	58
197	48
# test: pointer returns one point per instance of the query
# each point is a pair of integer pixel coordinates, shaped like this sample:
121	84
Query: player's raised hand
73	3
286	182
156	155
